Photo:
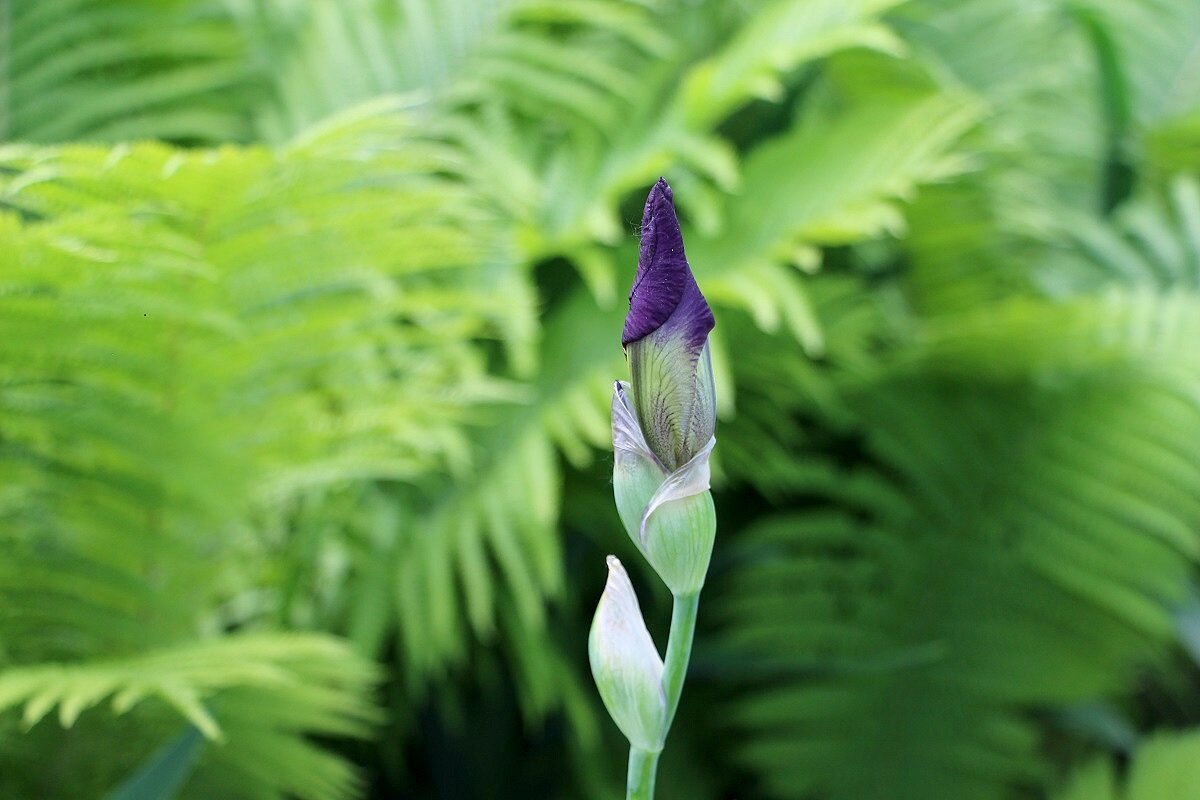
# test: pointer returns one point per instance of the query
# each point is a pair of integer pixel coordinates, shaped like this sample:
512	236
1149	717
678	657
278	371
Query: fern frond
256	695
834	178
998	568
663	127
506	510
329	56
1153	241
193	343
82	71
187	676
1022	522
1038	154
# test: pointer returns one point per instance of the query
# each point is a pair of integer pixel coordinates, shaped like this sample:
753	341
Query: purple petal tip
664	288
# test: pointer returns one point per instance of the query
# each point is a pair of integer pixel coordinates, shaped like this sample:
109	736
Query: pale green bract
669	515
626	665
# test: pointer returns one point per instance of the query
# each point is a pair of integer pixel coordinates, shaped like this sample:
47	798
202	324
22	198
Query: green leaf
161	777
1165	767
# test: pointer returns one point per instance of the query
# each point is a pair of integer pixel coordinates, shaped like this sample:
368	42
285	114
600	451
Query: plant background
309	314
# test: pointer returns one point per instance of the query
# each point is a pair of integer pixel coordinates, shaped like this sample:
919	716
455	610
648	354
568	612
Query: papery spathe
626	665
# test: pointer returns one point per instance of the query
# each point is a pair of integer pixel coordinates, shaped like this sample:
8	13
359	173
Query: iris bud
626	665
666	339
663	421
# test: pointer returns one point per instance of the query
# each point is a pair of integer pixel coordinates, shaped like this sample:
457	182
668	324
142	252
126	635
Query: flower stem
643	765
679	649
639	785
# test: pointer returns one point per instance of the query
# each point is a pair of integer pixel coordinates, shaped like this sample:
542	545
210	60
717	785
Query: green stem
679	650
640	783
643	765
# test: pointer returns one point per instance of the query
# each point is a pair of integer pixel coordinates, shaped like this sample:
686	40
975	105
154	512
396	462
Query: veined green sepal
674	395
669	515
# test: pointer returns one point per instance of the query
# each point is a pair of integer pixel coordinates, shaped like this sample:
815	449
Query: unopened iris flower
663	424
666	339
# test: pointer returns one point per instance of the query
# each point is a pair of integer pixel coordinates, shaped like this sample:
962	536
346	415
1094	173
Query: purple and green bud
662	425
666	339
663	421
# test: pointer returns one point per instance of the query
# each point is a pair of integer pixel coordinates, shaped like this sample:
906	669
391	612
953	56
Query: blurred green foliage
309	313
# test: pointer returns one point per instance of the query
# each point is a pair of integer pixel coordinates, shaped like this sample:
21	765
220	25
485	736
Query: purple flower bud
666	339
